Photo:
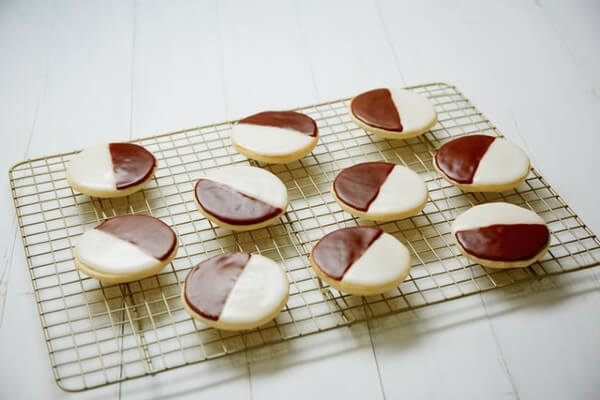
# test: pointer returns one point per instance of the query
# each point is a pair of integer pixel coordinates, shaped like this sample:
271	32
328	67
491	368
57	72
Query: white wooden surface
73	73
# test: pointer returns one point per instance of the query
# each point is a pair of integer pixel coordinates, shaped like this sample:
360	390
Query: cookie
380	191
235	291
360	260
275	137
126	248
481	163
241	198
501	235
393	113
111	170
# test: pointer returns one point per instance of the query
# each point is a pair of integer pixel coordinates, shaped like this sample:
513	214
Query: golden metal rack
100	334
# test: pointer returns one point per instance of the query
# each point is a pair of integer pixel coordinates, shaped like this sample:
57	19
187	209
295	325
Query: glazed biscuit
501	235
235	291
380	191
126	248
241	198
275	137
481	163
360	260
393	113
111	170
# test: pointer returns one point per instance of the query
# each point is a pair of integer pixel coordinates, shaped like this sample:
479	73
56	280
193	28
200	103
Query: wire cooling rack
99	334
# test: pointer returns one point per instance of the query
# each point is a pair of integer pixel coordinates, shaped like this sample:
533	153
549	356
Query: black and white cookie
275	137
241	198
235	291
481	163
111	170
393	113
380	191
126	248
501	235
361	260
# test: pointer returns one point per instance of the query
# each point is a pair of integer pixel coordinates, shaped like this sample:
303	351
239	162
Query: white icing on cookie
254	182
270	140
494	214
502	163
108	254
92	169
257	293
387	260
416	111
403	190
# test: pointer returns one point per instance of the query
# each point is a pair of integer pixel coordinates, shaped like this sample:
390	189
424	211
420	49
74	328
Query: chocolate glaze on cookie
148	233
505	242
132	164
338	250
208	284
358	186
230	206
284	119
376	108
459	158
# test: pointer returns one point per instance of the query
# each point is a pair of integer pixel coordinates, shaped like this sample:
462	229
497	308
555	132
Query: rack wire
98	334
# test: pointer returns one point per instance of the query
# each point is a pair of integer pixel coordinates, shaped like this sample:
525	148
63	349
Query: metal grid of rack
99	334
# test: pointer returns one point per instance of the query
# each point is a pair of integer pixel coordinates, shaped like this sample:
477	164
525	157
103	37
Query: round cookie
235	291
125	248
393	113
275	137
501	235
380	191
111	170
481	163
241	197
360	260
